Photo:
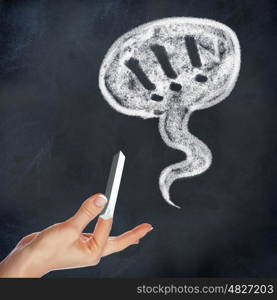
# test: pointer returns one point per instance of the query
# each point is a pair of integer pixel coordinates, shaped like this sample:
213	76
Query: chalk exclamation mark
134	66
194	57
163	59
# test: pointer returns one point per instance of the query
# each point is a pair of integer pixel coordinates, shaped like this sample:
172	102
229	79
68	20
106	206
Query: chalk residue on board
167	69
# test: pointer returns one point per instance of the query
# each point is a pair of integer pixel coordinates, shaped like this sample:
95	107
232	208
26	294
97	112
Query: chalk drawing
167	69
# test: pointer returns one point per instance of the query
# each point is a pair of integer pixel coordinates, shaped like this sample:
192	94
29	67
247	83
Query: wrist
33	266
22	263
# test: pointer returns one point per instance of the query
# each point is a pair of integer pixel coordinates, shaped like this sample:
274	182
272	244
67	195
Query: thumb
88	211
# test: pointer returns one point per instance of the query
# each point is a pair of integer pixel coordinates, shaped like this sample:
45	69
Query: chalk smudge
167	69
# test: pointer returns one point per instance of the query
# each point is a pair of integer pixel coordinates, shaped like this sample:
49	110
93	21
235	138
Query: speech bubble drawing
167	69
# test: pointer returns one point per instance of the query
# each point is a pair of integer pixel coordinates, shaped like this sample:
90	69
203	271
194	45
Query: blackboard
58	136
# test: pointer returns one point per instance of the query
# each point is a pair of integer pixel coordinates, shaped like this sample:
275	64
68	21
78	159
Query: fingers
88	211
126	239
101	232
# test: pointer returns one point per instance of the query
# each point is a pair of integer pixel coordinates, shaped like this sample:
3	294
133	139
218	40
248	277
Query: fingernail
150	228
136	242
100	201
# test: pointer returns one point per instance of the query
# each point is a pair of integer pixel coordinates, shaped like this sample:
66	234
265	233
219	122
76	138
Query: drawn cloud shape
167	69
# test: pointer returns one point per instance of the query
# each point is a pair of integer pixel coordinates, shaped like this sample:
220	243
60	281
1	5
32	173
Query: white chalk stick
113	184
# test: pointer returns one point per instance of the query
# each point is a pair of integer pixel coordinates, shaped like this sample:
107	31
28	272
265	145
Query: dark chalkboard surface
58	136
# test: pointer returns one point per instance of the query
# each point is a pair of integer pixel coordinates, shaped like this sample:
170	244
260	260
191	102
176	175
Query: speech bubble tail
173	128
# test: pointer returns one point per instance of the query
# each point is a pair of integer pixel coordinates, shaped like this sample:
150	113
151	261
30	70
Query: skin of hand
65	246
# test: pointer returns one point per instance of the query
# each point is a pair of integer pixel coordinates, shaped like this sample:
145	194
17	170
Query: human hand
64	245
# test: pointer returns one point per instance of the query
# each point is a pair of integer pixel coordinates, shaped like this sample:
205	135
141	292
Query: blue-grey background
58	136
